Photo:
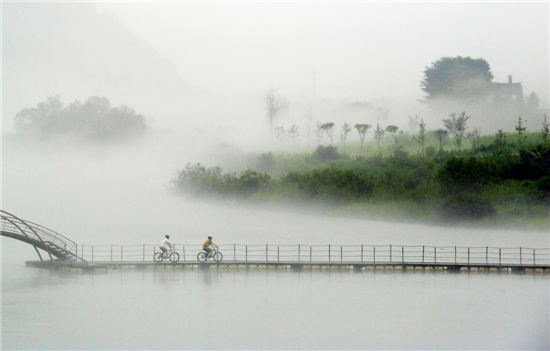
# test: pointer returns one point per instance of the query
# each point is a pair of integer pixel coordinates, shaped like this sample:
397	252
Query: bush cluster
452	185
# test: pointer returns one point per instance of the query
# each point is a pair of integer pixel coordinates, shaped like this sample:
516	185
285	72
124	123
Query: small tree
456	124
378	135
520	129
420	137
327	129
309	126
273	105
362	129
499	140
474	137
346	128
545	129
441	136
293	132
318	132
393	129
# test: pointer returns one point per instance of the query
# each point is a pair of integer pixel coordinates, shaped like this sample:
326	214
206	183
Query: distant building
507	92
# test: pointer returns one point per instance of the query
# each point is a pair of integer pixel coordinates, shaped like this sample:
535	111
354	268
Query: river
100	196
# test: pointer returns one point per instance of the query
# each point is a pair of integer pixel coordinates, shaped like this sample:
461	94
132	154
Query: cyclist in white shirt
165	244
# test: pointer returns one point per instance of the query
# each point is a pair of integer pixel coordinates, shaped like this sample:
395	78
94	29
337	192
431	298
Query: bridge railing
331	254
37	232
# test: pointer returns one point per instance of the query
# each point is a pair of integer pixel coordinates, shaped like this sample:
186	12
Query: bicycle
171	255
214	253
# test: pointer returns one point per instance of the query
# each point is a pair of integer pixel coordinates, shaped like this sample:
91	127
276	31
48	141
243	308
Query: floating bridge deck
62	252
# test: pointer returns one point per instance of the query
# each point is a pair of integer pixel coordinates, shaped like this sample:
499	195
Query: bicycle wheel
174	257
218	257
158	257
201	257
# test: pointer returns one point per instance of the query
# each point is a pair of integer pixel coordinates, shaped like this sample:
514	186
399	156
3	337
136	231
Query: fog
199	73
207	66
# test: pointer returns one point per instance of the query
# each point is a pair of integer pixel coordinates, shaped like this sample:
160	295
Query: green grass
500	182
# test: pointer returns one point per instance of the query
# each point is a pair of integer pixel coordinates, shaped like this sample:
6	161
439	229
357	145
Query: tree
293	132
499	141
532	101
309	119
327	129
378	135
441	136
42	118
393	129
474	137
545	129
95	119
362	129
346	128
273	105
520	129
420	137
456	124
457	77
318	132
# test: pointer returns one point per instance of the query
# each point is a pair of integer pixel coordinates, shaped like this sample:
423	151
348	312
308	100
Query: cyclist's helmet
167	236
209	238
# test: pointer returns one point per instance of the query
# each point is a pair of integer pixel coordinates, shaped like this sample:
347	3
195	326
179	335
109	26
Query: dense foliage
457	77
94	119
505	181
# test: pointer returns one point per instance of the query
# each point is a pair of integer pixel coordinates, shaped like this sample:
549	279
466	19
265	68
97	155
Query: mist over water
198	73
119	194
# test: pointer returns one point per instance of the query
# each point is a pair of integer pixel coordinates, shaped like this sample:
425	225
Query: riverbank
497	183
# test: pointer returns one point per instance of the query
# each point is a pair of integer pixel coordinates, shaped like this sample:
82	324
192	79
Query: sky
357	50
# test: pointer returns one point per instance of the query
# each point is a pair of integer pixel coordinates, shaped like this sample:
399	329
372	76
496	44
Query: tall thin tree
273	105
362	129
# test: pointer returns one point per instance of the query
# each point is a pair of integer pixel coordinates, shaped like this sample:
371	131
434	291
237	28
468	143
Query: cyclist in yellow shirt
206	246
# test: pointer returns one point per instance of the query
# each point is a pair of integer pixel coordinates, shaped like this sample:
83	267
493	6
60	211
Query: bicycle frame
212	252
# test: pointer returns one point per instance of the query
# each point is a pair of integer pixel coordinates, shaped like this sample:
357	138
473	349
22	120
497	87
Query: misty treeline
469	80
506	178
455	83
94	118
453	133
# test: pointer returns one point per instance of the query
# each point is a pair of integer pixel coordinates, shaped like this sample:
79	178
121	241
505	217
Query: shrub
251	181
325	153
266	162
464	173
430	151
335	183
197	178
466	206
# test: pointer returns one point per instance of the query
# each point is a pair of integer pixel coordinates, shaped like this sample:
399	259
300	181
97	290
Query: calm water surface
104	196
184	308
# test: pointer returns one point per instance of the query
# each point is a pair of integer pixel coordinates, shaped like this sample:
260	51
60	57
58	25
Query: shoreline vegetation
502	179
